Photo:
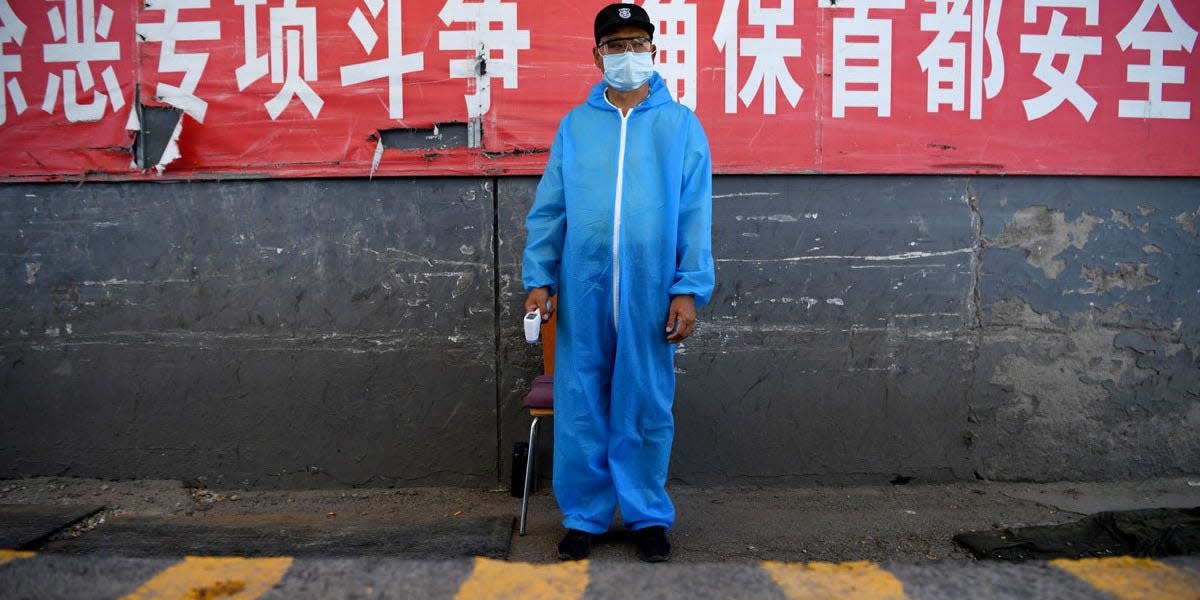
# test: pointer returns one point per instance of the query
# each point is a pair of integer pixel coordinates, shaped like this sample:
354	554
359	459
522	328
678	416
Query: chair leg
529	462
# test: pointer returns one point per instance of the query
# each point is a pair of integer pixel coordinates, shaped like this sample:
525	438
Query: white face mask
627	71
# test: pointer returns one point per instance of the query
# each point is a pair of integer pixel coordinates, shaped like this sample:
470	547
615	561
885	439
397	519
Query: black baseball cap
615	16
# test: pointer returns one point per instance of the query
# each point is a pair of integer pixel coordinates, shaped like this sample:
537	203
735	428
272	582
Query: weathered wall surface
289	333
865	328
1089	361
835	347
344	332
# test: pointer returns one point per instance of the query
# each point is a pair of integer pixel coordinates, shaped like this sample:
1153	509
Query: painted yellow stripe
501	579
836	581
7	556
1128	577
204	577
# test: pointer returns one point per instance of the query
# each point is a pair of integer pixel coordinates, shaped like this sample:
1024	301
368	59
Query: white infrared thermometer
533	326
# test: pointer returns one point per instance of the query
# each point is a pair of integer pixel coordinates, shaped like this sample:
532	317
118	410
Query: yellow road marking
205	577
7	556
1128	577
501	579
860	579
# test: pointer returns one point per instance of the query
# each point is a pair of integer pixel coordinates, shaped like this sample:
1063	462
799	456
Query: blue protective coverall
622	221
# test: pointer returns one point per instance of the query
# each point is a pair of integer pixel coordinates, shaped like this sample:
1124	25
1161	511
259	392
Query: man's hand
681	318
539	299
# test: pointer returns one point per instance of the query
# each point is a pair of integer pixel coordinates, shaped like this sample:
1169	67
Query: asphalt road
32	575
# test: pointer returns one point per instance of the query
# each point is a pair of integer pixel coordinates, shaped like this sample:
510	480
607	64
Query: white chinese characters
675	37
393	66
11	30
862	57
1156	73
77	43
769	52
483	41
1063	84
292	56
945	60
169	32
1072	61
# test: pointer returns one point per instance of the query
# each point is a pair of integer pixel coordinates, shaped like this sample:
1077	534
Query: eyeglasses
625	44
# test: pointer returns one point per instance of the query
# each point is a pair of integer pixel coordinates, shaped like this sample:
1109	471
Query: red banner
284	88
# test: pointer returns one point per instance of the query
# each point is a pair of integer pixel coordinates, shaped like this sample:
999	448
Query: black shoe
652	544
576	545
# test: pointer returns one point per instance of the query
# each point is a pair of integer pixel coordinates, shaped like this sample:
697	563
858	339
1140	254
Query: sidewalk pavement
896	524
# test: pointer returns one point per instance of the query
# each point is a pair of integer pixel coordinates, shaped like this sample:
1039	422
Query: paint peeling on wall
1131	276
1017	312
1043	234
1089	362
1083	383
1188	221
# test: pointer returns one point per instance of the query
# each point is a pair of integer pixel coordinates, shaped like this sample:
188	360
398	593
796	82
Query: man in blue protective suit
621	230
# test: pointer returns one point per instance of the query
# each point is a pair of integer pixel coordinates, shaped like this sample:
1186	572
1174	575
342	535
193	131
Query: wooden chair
540	402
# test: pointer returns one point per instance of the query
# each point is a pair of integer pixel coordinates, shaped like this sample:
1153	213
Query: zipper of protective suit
617	220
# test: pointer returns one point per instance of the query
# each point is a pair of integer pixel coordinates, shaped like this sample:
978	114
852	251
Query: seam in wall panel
496	312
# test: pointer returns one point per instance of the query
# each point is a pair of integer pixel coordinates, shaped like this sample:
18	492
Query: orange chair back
548	339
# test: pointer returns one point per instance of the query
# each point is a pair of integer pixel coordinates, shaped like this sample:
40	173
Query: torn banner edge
170	153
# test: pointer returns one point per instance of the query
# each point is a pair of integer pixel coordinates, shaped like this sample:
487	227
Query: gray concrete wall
352	332
1088	360
279	333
